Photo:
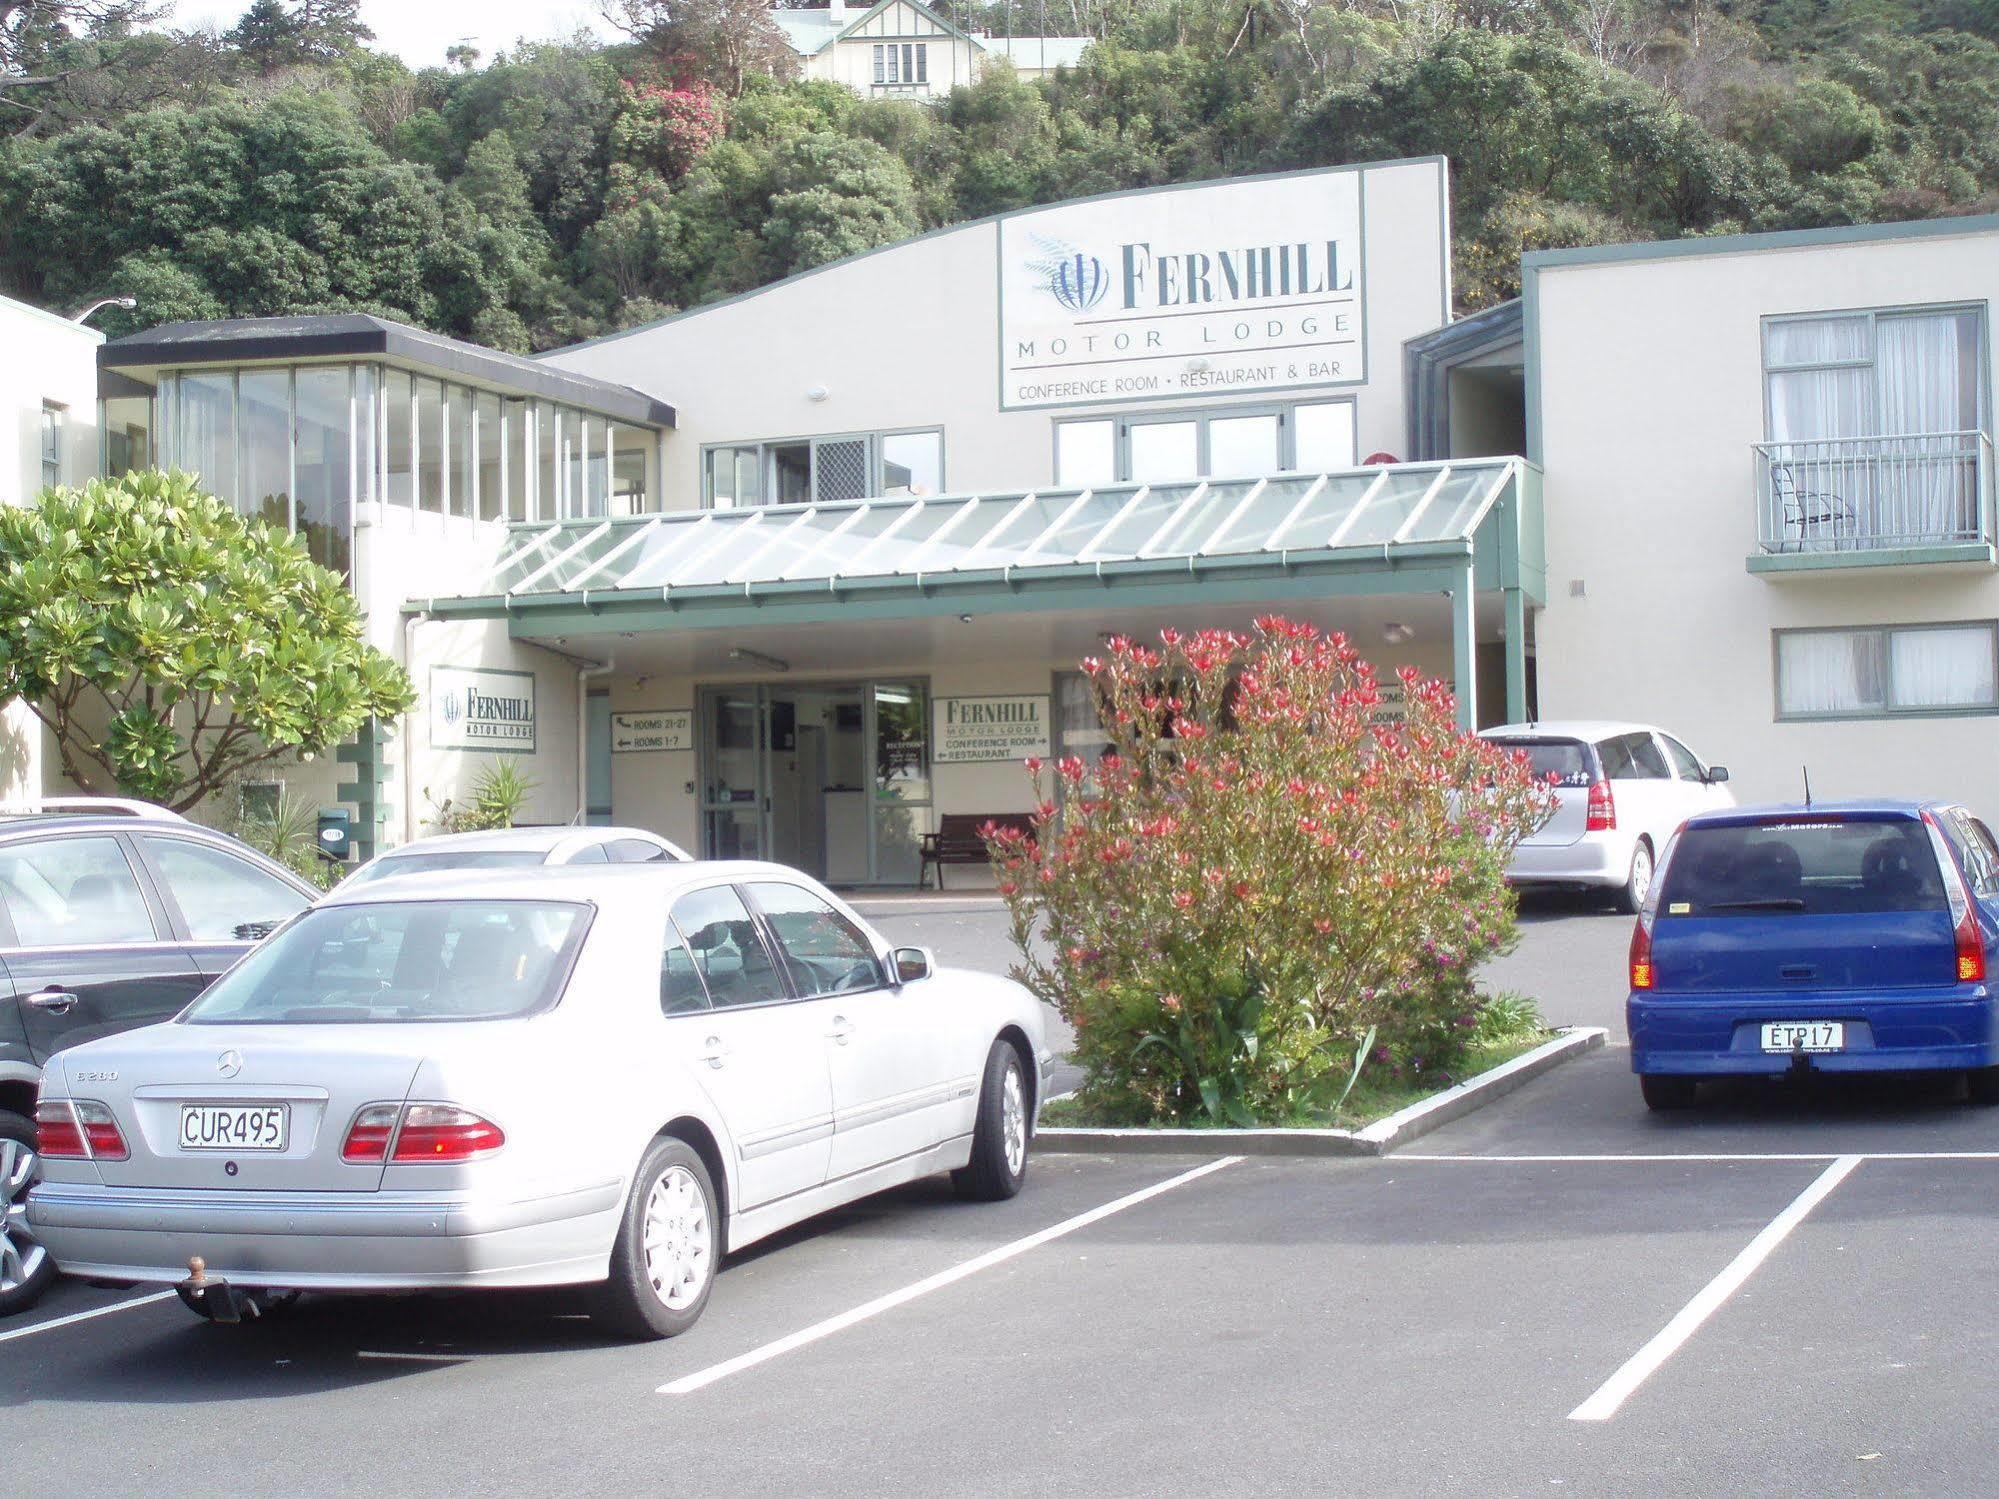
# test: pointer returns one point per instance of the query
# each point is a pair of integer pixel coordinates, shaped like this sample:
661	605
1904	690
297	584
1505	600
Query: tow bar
212	1297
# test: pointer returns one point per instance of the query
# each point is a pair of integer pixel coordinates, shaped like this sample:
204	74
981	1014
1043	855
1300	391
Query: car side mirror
912	964
1716	774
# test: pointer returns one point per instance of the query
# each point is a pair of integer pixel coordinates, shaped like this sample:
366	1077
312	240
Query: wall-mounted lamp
964	619
744	653
817	393
1397	633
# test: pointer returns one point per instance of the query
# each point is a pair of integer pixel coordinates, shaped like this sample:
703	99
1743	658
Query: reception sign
1218	288
972	729
651	729
481	709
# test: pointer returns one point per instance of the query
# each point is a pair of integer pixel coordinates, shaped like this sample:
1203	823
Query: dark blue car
1836	937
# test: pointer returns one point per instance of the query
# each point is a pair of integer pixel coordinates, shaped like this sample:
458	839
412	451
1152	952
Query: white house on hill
902	48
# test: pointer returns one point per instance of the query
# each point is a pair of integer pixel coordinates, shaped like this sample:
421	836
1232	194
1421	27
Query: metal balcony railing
1856	494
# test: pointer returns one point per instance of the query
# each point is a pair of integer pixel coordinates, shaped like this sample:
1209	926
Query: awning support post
1516	656
1464	648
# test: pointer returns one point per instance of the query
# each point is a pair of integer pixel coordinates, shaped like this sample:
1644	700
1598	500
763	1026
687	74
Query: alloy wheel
21	1256
677	1238
1013	1121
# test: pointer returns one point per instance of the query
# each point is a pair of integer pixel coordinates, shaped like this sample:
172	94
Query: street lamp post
128	303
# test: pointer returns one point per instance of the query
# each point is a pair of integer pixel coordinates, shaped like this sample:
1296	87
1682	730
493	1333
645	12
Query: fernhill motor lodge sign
971	729
478	709
1225	287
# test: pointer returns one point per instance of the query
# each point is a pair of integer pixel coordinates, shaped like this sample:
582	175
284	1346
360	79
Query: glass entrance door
735	785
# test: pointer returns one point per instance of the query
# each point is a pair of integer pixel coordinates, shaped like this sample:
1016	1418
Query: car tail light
57	1132
77	1130
439	1132
1641	954
1969	941
1602	808
411	1132
368	1137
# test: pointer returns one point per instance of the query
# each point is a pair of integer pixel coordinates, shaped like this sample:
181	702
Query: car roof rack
107	806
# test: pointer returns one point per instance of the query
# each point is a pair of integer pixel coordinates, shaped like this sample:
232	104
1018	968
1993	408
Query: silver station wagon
556	1077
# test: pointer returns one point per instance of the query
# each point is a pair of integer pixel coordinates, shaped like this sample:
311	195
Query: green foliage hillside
567	188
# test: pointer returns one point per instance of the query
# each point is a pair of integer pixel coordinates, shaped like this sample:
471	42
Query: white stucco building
787	575
903	49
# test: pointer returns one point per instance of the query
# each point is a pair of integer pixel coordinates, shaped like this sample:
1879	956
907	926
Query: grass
1372	1098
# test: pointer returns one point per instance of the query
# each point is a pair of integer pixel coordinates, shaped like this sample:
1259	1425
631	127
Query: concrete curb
1376	1139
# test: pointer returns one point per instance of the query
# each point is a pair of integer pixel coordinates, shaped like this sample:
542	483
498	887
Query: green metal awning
688	567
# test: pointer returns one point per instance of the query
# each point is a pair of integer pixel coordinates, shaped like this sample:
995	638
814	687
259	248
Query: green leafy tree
169	645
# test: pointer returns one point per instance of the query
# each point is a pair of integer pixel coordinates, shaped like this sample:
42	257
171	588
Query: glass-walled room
301	446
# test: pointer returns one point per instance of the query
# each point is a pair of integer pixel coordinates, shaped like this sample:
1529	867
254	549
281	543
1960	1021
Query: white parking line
1668	1157
75	1317
1645	1362
687	1384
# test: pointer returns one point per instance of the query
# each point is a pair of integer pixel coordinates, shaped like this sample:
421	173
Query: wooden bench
958	841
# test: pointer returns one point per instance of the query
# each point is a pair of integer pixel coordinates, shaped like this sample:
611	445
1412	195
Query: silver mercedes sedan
606	1076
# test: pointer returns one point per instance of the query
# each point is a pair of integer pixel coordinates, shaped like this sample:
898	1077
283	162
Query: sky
418	31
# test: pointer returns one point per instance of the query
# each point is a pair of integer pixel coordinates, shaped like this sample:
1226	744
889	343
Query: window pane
206	440
430	446
128	438
492	492
1085	453
902	779
1928	365
1815	340
1242	447
324	464
53	423
913	463
72	891
1832	671
264	490
1808	405
628	471
1942	668
458	440
879	64
1818	866
791	474
400	459
722	478
1323	436
221	897
548	463
1684	760
1163	450
520	468
1647	763
828	954
731	956
922	63
680	988
749	476
367	427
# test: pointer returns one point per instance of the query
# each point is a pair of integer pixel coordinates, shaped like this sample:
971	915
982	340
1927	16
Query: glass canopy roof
1377	512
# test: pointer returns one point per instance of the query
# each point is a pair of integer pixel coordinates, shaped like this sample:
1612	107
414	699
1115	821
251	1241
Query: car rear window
464	858
403	961
1559	762
1824	867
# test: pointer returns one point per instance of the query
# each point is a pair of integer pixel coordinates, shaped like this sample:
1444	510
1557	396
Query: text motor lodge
1151	283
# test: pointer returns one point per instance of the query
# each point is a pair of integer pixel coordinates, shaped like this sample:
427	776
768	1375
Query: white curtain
1830	671
1929	487
1943	668
1809	404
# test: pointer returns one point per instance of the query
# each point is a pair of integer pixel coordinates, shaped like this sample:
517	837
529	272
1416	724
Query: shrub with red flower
1259	846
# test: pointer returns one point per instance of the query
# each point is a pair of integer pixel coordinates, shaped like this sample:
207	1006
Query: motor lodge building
797	573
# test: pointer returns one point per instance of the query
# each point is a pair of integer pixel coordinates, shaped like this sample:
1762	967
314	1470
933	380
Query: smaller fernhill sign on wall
972	729
481	709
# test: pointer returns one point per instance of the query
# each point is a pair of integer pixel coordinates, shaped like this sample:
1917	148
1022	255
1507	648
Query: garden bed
1390	1115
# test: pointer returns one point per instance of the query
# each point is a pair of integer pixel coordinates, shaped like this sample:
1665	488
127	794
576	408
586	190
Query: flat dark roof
349	335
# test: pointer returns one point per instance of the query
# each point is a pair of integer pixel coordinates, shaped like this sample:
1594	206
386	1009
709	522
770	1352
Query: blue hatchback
1836	937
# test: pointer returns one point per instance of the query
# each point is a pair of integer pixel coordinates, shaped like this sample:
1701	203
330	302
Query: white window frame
54	437
765	449
1889	708
1122	425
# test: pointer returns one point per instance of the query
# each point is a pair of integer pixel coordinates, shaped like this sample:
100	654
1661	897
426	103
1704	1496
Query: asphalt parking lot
1787	1290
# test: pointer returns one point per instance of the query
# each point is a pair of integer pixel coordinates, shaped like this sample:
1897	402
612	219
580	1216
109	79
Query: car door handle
56	1000
715	1053
842	1029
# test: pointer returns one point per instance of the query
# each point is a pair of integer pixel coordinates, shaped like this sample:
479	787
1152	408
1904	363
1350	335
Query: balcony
1874	501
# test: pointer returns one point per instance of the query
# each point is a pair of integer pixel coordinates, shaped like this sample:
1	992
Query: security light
744	653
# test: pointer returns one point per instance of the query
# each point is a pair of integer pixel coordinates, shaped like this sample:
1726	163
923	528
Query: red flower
1182	899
